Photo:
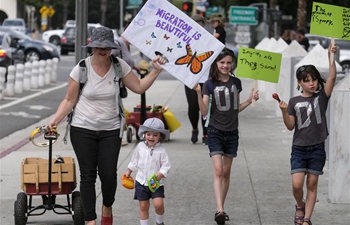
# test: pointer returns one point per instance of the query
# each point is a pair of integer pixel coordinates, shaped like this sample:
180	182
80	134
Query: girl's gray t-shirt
310	118
225	103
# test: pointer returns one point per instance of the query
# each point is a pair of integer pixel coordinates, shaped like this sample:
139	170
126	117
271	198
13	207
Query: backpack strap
119	103
211	90
82	81
82	74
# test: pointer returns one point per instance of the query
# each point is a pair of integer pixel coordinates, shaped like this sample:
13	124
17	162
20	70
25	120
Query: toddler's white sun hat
155	125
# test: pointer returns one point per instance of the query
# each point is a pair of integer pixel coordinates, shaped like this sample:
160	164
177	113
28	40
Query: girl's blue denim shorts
222	142
308	159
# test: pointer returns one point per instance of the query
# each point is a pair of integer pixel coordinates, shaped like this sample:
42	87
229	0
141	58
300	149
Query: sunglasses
303	68
104	49
227	51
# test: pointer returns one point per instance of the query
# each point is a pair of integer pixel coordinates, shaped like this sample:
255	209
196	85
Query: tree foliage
112	17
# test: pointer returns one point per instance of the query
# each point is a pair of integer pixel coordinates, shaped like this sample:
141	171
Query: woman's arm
139	86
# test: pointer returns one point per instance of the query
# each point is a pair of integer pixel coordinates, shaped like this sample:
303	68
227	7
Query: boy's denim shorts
222	142
142	193
308	159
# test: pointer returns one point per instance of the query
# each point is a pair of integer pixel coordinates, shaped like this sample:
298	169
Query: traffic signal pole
194	9
81	12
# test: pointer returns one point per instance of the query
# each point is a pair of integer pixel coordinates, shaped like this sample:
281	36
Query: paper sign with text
258	64
162	29
330	21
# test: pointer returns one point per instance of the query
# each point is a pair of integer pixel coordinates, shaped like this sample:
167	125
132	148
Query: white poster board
162	29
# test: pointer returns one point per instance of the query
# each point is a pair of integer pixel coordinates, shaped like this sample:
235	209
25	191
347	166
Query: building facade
8	9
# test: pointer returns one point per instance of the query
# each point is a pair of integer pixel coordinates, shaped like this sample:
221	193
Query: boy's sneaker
160	223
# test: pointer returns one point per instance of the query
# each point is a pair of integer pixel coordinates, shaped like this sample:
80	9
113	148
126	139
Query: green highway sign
211	10
243	15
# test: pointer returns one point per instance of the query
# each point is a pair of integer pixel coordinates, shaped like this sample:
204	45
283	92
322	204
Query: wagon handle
49	134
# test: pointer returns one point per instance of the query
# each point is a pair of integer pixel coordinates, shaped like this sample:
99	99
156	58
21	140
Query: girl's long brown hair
214	71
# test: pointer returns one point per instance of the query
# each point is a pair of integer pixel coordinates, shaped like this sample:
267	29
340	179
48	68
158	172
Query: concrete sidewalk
260	191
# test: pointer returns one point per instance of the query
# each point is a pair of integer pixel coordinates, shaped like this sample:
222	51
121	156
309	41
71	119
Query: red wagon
48	178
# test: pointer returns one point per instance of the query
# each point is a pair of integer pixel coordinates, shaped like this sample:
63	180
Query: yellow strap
42	130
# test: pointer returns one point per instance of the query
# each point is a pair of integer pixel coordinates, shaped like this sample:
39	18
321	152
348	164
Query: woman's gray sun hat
155	125
102	37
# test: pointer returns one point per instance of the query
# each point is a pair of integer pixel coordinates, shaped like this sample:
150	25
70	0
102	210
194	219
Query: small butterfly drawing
193	60
148	42
169	49
153	36
166	37
179	44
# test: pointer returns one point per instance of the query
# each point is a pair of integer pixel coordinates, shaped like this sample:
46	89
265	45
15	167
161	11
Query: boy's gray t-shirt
310	118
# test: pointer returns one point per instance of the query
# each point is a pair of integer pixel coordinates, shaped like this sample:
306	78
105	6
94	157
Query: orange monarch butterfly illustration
193	59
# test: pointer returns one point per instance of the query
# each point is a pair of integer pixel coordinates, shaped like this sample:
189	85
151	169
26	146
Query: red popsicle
275	96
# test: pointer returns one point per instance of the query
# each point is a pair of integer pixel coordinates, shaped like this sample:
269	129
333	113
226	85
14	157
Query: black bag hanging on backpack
123	92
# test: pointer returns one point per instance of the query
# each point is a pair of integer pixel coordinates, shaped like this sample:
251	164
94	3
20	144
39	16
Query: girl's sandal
227	218
307	220
219	218
298	220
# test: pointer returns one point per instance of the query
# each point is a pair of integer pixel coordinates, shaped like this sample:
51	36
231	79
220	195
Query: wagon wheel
75	194
20	212
78	213
23	197
129	135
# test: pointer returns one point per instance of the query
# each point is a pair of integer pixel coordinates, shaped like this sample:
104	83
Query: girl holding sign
306	114
221	104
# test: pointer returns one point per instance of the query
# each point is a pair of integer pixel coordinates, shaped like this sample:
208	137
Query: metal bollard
54	70
48	69
27	74
19	78
35	75
41	77
10	85
2	81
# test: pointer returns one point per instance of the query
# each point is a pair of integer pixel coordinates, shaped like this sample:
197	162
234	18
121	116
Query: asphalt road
23	110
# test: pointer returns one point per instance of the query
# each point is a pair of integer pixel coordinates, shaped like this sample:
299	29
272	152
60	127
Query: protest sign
330	21
162	29
258	64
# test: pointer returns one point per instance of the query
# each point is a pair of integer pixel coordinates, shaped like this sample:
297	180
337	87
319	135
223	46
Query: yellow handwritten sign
330	21
258	64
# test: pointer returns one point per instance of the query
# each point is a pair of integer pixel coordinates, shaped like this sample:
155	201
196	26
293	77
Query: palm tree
301	14
103	11
65	11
